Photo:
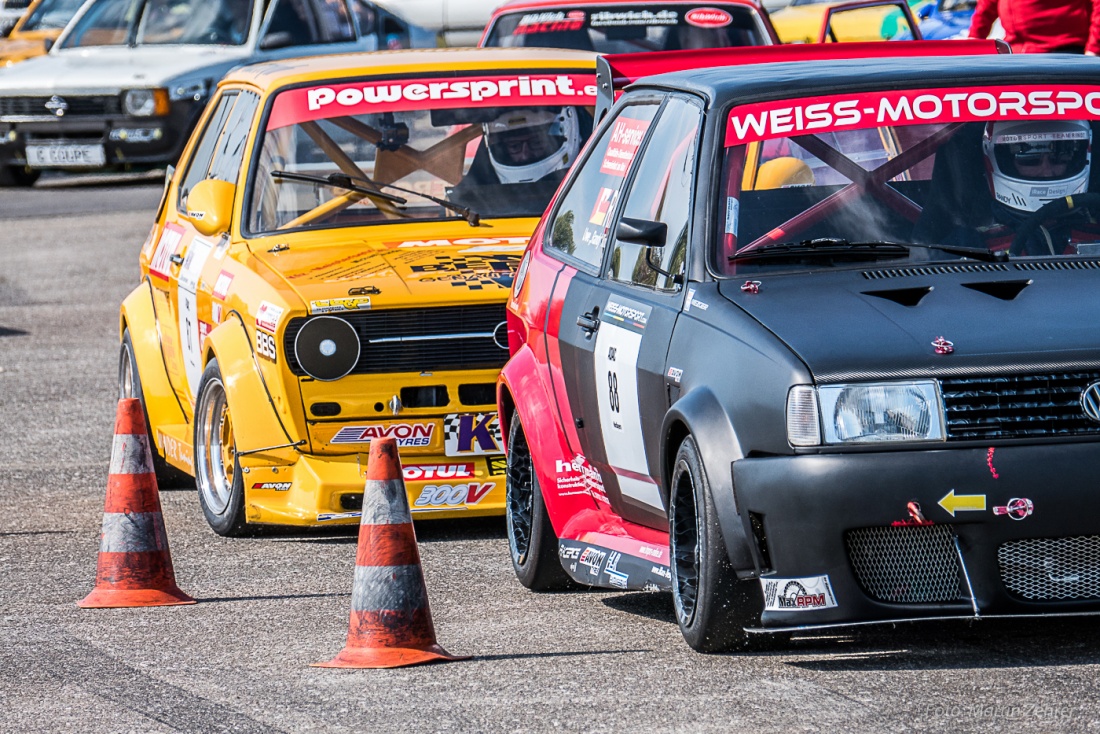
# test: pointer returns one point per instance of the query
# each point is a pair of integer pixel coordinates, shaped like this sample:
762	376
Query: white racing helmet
1031	163
527	143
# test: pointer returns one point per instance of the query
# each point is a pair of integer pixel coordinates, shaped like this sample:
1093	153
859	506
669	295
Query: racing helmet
528	143
1030	163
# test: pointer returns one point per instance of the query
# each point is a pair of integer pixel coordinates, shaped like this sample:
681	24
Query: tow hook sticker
1017	508
798	595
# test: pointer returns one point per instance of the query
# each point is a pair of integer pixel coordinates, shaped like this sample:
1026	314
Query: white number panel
190	339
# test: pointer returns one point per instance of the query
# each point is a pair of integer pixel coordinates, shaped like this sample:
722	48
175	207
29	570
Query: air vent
1059	265
1006	290
935	270
904	296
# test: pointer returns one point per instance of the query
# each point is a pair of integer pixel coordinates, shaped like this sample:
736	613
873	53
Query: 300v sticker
448	495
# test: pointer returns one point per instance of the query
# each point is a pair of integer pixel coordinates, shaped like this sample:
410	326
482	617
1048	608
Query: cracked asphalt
269	606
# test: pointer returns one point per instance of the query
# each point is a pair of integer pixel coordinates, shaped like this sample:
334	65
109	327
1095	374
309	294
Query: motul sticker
277	486
626	138
267	318
471	434
406	434
798	595
489	243
916	106
168	246
550	22
337	305
452	495
221	285
314	103
425	472
708	18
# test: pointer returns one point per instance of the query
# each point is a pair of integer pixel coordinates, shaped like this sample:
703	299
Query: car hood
109	69
402	265
851	325
24	47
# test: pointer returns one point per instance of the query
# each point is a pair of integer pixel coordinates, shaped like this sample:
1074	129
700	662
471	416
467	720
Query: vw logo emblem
57	106
1090	402
500	336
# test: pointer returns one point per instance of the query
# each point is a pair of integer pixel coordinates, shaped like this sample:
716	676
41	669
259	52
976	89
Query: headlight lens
145	102
327	348
859	414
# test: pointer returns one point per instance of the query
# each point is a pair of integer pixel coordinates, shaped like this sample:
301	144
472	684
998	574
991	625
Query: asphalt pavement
238	660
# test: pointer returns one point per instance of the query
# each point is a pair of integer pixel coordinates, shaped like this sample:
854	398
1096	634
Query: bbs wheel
129	386
531	539
712	605
217	471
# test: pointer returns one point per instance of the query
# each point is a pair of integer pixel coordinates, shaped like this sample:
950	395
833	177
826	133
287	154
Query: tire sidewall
231	520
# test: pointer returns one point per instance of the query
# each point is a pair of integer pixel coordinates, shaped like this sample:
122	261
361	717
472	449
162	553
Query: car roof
272	75
514	5
809	79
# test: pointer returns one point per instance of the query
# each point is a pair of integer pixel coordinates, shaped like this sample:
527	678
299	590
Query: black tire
20	176
129	386
531	540
217	471
712	606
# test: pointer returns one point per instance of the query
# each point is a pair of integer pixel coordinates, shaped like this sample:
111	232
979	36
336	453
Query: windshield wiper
833	245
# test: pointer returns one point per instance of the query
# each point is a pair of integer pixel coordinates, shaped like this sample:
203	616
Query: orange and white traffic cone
134	567
391	625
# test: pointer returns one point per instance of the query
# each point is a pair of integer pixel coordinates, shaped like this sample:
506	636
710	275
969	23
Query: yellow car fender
161	404
258	428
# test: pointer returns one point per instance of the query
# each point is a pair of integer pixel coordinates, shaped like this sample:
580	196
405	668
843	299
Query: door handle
590	321
177	259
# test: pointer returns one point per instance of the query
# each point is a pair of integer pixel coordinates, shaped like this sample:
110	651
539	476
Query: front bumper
845	516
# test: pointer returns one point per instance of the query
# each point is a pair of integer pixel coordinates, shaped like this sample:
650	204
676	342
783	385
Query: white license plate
75	156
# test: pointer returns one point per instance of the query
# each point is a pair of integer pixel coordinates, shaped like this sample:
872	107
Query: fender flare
700	414
138	314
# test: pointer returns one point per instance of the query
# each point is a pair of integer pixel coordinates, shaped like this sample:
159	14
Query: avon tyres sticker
910	107
406	434
338	100
798	595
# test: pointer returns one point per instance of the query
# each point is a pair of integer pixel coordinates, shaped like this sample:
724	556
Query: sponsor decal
798	595
614	576
663	571
637	317
569	553
550	22
204	330
334	305
708	18
647	550
424	472
604	201
277	486
471	434
488	243
406	434
872	109
577	477
313	103
267	318
325	516
265	346
733	209
221	285
626	137
593	558
674	374
650	586
167	246
216	313
448	495
633	17
497	464
176	452
1017	508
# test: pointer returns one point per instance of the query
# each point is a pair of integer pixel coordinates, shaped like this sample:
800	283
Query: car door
636	302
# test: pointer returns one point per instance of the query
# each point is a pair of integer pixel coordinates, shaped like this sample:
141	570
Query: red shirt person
1042	26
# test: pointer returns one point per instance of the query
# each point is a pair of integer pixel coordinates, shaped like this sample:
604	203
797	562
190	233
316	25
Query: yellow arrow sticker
962	502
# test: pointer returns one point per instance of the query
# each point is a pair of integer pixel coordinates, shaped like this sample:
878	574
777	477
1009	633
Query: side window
229	150
203	154
584	215
661	192
305	22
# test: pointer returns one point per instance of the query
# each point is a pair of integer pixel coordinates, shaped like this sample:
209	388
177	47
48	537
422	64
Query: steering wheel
1052	210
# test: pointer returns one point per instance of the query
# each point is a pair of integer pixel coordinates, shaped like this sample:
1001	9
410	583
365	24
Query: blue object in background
941	20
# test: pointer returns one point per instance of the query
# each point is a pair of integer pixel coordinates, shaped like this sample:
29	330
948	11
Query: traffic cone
134	567
391	625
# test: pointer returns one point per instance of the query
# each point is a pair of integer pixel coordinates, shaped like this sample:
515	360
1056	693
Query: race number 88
613	390
265	345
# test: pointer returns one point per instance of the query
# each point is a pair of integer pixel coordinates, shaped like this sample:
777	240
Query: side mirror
641	232
210	206
925	11
272	41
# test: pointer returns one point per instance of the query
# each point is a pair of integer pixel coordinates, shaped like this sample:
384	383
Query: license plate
75	156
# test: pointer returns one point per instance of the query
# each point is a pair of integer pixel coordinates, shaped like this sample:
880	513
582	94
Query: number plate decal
68	156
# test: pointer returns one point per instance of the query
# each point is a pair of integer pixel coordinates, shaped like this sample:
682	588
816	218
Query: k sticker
475	272
471	434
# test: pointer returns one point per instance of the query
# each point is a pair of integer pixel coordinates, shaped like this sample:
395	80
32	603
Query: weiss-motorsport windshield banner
786	118
514	90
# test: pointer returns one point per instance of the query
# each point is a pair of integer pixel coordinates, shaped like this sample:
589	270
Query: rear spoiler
613	72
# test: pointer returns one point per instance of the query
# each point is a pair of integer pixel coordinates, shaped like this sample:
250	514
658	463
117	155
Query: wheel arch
137	314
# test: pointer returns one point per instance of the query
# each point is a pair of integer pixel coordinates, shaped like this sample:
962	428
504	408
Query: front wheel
217	470
712	606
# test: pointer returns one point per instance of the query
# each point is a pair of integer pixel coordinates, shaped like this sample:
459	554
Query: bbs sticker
265	345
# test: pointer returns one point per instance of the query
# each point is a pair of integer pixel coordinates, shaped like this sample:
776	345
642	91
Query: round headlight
327	348
139	102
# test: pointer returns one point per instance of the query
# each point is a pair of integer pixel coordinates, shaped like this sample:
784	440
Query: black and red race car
816	347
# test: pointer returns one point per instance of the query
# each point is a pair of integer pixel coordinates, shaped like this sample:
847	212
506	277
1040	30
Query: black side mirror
272	41
641	232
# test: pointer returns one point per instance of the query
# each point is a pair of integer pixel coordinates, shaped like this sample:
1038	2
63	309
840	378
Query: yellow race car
802	20
37	29
330	265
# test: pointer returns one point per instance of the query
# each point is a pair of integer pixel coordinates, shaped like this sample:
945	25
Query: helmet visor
1051	157
522	146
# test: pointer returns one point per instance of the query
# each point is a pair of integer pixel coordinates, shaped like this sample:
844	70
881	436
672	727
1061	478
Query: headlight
857	414
327	348
195	91
145	102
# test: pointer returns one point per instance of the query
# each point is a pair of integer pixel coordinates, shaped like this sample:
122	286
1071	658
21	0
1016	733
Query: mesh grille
1017	406
77	106
906	565
1052	569
440	352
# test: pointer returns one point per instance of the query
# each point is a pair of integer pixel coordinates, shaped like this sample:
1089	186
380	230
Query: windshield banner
340	100
786	118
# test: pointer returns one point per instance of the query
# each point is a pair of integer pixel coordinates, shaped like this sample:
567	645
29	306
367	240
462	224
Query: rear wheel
712	605
18	176
531	539
217	471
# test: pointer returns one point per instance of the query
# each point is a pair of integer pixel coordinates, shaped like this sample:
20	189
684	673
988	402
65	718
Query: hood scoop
1006	290
903	296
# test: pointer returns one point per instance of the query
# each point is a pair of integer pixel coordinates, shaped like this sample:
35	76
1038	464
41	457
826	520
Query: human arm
986	13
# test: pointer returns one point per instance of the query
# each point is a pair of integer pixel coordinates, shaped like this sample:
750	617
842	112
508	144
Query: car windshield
615	29
51	15
992	173
162	22
418	149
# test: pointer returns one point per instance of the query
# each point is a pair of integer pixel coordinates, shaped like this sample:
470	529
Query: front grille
441	339
77	106
1017	406
1052	569
906	565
